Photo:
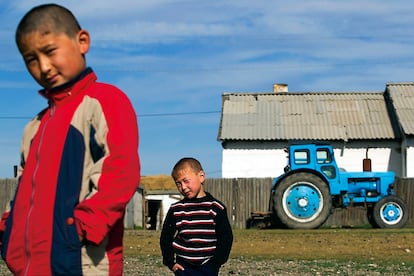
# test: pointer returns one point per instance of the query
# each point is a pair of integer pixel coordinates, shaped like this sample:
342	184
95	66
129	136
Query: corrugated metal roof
402	96
295	116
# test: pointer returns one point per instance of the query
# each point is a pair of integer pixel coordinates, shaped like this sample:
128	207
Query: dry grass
335	244
158	182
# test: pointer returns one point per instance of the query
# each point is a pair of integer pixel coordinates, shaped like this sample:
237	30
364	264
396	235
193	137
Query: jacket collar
61	93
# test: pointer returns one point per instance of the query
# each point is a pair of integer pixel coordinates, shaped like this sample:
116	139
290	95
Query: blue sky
175	59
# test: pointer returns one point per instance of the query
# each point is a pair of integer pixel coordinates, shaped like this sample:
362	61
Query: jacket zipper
28	256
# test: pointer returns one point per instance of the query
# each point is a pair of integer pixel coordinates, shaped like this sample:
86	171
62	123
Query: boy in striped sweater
196	237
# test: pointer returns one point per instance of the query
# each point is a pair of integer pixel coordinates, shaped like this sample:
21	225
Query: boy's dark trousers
197	270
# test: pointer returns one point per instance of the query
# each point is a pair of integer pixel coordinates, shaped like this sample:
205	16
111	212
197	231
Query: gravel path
151	265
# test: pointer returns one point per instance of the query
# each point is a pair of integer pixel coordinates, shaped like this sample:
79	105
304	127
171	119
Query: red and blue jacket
79	169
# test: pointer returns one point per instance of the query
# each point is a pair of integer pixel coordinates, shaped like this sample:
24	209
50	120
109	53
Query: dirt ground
290	252
300	252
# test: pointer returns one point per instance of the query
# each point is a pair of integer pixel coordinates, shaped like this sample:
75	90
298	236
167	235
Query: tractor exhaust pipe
366	163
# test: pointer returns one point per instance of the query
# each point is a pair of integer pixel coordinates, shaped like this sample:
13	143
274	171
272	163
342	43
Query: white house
158	203
255	128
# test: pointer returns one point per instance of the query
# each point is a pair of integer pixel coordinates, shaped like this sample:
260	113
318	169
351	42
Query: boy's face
190	184
54	58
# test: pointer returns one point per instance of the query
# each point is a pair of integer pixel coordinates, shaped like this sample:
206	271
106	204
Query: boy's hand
177	267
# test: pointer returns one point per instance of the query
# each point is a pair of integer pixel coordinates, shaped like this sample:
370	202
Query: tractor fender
278	179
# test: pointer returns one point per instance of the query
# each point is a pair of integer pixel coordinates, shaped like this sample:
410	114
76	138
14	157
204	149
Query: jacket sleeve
166	240
224	239
115	176
3	225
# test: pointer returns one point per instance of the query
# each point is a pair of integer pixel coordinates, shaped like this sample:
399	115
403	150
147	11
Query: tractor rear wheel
370	217
390	212
302	201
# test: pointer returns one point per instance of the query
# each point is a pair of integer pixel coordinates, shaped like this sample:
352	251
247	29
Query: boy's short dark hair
48	18
193	163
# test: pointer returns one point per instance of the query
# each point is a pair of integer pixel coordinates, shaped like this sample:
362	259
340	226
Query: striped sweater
196	231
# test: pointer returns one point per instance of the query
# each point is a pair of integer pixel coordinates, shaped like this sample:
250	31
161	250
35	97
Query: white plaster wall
270	163
253	163
410	162
351	159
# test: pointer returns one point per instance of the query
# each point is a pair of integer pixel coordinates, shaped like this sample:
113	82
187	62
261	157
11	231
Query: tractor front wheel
302	201
390	212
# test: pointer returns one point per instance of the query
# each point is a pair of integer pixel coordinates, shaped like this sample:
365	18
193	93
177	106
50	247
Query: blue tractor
303	197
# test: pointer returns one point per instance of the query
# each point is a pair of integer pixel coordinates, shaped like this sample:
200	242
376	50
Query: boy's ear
84	41
202	174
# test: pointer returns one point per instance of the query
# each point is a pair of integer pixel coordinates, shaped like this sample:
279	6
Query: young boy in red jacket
79	158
